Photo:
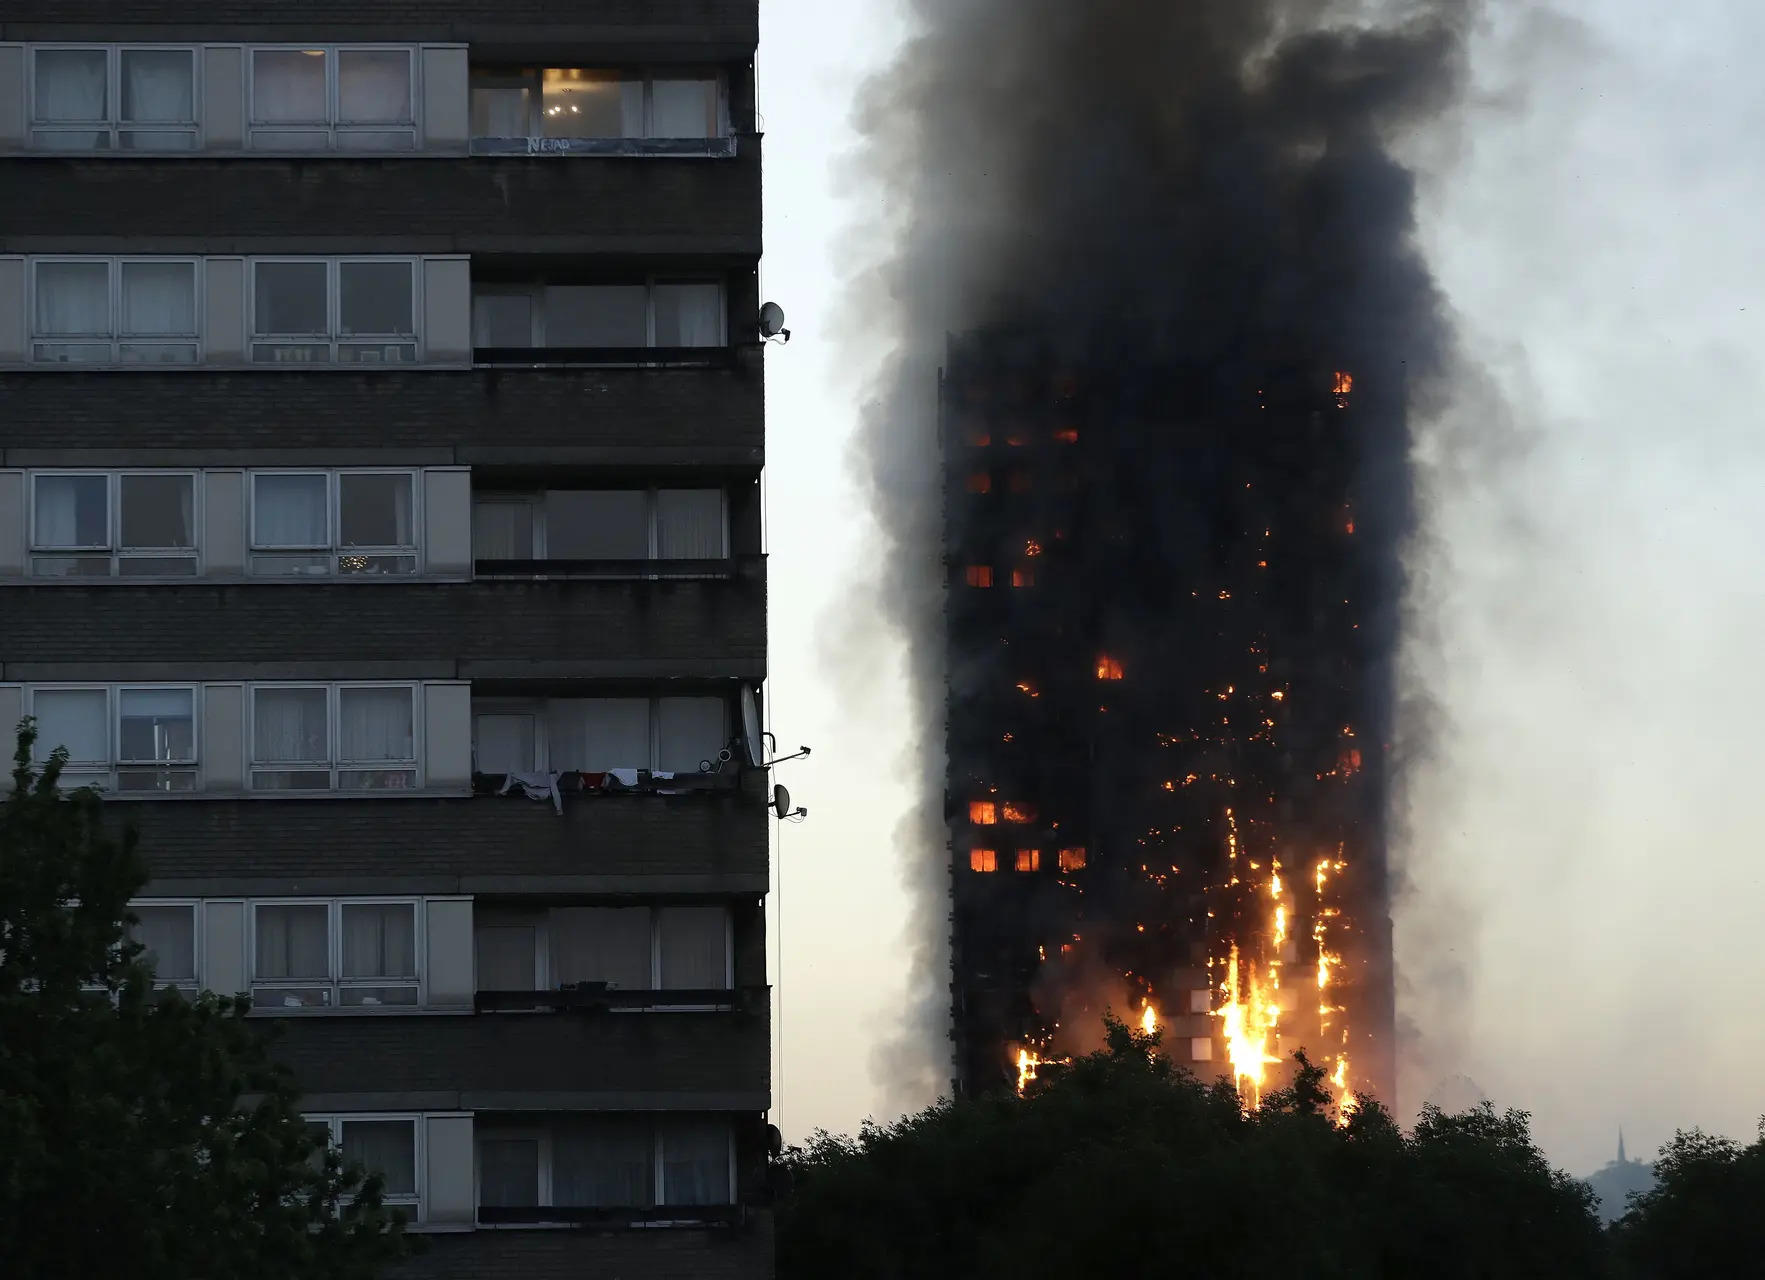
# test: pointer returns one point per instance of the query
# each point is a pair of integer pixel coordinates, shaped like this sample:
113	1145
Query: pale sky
1581	941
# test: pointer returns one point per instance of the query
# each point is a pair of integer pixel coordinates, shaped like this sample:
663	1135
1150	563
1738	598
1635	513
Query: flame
1029	859
1248	1017
1072	859
1148	1019
1020	812
1067	435
1025	687
983	860
1343	385
1032	548
983	813
1108	669
1345	1099
1027	1063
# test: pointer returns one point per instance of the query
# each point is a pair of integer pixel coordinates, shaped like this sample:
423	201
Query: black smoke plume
1183	213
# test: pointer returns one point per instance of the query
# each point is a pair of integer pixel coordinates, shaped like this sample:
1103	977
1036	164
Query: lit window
581	103
1029	859
980	482
132	525
332	99
1072	859
983	860
1109	669
978	575
1023	577
1201	1049
1020	813
1067	435
983	813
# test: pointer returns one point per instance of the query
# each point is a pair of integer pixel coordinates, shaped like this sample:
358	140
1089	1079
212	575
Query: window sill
724	148
546	1218
412	793
605	357
615	570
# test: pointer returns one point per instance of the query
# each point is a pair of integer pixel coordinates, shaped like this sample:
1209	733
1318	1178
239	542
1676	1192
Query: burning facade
1169	693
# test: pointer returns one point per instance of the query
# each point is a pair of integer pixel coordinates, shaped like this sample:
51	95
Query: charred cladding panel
1169	697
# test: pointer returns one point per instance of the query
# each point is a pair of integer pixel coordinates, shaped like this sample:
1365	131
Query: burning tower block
1169	664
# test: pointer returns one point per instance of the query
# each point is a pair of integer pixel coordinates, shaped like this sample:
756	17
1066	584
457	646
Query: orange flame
1108	668
983	813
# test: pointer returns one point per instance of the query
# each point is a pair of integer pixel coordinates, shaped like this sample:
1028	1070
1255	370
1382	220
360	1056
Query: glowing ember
1032	548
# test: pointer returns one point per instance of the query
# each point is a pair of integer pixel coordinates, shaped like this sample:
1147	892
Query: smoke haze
1205	184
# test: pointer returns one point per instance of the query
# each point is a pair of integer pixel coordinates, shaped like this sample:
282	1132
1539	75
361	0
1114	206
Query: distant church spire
1620	1144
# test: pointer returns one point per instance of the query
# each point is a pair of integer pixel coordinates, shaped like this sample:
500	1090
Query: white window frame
544	1133
539	920
337	983
113	516
116	339
535	502
535	294
335	341
335	552
418	1198
40	130
540	706
533	80
335	765
334	126
196	950
105	774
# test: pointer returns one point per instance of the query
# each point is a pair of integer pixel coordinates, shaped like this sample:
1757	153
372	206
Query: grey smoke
1211	182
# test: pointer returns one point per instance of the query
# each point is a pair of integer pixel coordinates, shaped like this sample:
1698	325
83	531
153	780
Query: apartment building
381	427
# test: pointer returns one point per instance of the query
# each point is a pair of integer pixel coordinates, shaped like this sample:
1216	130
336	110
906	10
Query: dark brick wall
678	414
643	1053
573	627
608	205
743	1253
684	23
707	835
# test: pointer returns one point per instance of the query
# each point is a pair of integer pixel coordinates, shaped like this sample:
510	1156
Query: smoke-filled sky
1586	608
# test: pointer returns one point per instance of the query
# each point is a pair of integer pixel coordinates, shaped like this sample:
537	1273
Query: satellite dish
781	802
772	322
751	727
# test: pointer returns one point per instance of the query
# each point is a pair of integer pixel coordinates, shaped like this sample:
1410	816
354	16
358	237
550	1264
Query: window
127	739
333	99
330	955
583	103
599	317
113	311
1029	859
601	524
386	1145
630	1161
88	98
319	523
983	860
167	932
320	311
1072	859
132	525
684	948
978	575
333	737
599	735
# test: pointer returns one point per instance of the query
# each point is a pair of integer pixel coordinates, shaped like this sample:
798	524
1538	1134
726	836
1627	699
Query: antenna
772	323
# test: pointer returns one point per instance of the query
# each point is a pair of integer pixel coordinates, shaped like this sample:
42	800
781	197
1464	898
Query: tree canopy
1125	1166
1705	1214
140	1132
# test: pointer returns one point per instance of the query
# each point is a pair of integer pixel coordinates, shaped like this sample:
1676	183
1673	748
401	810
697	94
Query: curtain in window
607	1161
579	103
689	315
292	942
169	934
503	743
159	299
157	87
597	524
72	511
156	725
683	109
500	111
502	531
288	726
158	511
695	948
601	944
385	1147
375	725
689	524
290	511
379	940
374	86
73	299
508	1172
507	955
688	732
78	719
71	85
288	86
168	937
598	734
695	1160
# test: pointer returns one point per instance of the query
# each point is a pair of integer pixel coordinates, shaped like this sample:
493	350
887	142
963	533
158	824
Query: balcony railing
598	997
621	570
642	357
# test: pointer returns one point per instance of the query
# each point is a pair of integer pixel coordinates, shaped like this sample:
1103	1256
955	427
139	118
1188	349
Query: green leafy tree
1125	1166
1705	1215
142	1134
